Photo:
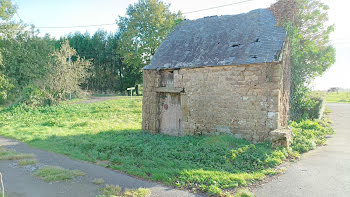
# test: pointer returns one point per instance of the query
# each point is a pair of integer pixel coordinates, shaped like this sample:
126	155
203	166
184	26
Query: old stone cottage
220	74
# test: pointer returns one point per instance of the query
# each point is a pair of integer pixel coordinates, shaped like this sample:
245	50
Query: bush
34	96
310	106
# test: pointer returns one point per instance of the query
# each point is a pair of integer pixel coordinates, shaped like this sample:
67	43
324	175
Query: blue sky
48	13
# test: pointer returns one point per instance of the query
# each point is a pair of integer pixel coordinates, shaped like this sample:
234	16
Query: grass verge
110	132
112	190
341	97
56	173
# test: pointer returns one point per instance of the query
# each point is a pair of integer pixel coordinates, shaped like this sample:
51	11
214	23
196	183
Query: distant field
341	97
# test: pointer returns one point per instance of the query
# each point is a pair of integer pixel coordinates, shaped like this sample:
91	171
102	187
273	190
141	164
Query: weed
309	134
112	190
98	181
13	155
244	193
141	192
214	190
27	162
56	173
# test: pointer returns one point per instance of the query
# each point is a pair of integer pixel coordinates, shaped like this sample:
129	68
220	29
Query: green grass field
110	133
341	97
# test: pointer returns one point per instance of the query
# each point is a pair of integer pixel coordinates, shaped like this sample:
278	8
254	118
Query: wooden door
170	113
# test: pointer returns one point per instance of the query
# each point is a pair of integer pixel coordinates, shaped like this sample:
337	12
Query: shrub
34	96
310	106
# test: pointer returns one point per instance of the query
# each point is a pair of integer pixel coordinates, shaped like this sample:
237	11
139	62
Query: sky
68	13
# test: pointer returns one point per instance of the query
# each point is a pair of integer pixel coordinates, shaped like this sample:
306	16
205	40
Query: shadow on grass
191	161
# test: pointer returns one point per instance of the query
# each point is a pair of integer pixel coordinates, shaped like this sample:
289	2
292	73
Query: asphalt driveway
19	181
322	172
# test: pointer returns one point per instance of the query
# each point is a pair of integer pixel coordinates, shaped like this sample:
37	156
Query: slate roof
246	38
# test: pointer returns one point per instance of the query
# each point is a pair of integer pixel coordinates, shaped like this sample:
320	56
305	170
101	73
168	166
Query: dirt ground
19	181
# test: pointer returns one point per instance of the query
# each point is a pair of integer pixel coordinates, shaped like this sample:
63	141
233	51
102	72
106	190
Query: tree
306	22
146	24
67	76
7	26
101	48
27	61
7	10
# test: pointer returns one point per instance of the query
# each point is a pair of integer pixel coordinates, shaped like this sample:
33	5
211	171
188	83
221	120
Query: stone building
220	74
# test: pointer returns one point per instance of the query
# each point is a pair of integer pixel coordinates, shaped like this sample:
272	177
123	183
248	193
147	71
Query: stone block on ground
281	137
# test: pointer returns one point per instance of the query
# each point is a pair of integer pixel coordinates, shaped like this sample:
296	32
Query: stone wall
151	80
248	101
285	87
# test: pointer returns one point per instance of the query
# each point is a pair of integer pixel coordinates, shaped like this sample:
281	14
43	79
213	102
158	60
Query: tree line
43	70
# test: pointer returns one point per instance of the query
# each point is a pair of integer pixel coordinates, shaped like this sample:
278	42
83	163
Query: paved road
19	181
322	172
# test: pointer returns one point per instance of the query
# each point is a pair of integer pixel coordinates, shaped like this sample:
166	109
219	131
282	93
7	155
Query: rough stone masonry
227	74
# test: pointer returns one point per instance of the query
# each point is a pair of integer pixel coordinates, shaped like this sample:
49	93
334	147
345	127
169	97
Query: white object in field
69	61
131	89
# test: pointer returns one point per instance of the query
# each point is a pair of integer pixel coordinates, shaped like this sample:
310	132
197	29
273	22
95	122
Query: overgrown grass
56	173
341	97
98	181
27	162
112	190
109	133
244	193
13	155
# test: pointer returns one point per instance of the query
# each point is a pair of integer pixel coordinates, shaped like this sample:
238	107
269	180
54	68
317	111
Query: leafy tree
67	76
4	87
101	48
7	10
27	60
146	24
7	26
311	51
